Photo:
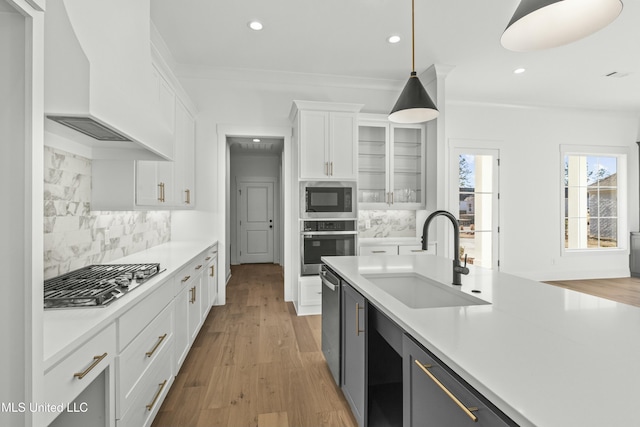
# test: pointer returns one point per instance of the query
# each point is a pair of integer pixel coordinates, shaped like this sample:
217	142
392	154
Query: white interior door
255	211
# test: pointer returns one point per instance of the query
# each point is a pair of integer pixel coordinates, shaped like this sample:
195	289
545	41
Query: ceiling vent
90	127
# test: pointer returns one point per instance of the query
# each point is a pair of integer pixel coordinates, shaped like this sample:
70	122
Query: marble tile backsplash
389	223
76	236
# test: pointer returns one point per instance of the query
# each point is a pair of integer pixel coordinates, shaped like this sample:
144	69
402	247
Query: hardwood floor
255	363
625	290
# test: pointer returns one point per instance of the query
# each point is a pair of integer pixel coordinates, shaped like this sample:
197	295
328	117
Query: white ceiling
348	38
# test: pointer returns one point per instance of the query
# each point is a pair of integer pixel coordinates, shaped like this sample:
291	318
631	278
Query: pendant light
542	24
414	104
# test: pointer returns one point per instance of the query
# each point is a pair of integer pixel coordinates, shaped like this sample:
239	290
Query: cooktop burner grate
95	285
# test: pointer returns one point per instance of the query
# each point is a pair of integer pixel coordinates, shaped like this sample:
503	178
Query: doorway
475	199
256	200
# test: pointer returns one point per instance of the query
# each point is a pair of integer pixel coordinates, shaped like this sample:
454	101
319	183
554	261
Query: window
594	195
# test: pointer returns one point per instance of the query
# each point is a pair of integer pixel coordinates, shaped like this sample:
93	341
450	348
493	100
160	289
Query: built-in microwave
327	199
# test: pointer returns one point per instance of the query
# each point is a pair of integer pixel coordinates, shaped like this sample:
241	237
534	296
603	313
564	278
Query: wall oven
327	199
325	238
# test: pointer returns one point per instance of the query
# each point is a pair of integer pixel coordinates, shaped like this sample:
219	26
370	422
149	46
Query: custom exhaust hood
99	89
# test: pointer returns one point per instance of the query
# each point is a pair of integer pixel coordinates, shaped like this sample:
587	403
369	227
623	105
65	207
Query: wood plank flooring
255	363
625	289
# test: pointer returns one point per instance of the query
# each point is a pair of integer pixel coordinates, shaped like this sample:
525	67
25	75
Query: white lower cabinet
150	392
66	380
397	249
136	362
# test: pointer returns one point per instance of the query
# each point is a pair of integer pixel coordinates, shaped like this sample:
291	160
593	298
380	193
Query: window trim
622	154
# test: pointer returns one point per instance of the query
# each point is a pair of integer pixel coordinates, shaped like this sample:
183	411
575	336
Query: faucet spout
458	270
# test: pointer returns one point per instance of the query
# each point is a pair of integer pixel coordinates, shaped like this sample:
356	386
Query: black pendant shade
543	24
414	104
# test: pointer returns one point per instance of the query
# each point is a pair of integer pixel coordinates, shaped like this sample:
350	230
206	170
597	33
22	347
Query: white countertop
544	355
66	329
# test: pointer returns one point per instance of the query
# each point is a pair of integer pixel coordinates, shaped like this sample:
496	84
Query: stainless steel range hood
98	79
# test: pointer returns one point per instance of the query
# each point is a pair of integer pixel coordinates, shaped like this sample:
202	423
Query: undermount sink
416	291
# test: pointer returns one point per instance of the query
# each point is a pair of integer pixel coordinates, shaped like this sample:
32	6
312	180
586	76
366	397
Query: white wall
529	141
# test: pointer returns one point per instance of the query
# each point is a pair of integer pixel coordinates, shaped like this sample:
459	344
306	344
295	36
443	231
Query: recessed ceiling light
256	139
519	71
393	39
255	25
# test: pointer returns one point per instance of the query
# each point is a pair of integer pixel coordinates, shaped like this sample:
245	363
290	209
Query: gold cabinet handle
213	271
155	347
193	295
160	192
155	398
331	174
207	258
392	197
358	308
188	196
185	278
199	267
448	393
96	360
378	252
326	168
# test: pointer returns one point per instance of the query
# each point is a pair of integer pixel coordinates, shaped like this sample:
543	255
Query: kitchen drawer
186	275
310	290
150	392
131	323
416	249
62	385
379	250
133	363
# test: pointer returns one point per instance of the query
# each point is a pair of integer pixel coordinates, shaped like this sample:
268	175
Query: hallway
255	363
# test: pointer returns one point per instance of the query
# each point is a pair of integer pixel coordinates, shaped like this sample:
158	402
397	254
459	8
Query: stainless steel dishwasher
331	339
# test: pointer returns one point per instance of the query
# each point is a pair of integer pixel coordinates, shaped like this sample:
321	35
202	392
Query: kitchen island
543	355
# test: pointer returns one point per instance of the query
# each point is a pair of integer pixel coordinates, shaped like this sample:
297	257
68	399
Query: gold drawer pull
153	402
96	360
378	252
213	271
207	258
153	350
466	410
188	198
358	308
199	267
185	278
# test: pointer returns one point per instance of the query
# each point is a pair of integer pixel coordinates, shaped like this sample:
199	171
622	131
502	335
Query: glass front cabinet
391	164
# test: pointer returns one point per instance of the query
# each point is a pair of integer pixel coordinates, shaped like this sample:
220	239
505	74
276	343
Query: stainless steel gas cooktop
96	285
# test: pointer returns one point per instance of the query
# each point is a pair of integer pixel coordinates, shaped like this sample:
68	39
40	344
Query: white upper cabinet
327	134
184	177
391	164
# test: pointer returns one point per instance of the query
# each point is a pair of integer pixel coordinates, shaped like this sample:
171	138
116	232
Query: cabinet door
204	297
148	188
182	326
195	318
211	275
379	250
314	144
433	396
373	173
354	322
407	166
184	158
342	146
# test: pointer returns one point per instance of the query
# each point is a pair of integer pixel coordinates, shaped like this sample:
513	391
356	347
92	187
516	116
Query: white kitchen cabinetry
326	134
66	380
391	164
127	184
188	311
211	278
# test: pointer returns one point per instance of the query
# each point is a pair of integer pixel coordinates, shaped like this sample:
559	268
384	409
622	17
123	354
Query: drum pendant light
414	104
542	24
